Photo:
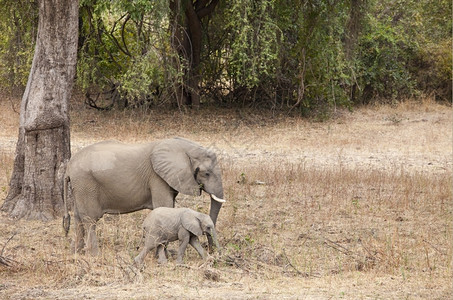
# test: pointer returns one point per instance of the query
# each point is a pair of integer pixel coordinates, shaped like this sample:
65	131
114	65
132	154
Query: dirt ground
356	207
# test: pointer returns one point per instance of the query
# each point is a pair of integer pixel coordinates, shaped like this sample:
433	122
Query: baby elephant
164	225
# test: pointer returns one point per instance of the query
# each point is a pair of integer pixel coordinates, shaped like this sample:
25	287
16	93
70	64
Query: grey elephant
115	178
164	225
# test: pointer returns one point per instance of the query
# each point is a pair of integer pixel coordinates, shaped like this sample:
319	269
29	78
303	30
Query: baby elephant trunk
213	235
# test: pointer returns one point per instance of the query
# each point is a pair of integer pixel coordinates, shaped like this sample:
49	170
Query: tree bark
43	146
356	13
187	40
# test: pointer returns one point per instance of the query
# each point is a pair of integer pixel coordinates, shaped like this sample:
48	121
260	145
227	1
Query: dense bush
306	55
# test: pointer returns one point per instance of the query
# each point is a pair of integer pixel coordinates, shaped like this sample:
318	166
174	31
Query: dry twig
292	265
5	260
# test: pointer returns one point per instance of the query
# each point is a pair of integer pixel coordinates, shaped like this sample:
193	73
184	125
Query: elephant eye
206	174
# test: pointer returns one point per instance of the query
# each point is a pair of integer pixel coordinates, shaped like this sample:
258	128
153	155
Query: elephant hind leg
92	241
161	254
79	240
151	242
87	211
86	235
140	258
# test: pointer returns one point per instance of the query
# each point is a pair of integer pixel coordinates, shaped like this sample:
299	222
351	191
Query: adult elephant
115	178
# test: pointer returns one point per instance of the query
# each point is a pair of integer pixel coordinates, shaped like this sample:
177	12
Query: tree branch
122	34
113	38
206	10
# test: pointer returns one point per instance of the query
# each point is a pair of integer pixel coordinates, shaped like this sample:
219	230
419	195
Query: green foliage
254	41
306	55
383	68
432	64
433	69
324	73
123	48
402	49
18	28
142	76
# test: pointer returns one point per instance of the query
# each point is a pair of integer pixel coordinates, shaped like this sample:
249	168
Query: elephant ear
190	222
171	162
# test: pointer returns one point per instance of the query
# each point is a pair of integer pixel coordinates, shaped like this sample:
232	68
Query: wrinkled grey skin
116	178
164	225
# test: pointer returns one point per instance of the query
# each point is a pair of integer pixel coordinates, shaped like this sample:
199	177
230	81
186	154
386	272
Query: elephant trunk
213	213
214	239
215	207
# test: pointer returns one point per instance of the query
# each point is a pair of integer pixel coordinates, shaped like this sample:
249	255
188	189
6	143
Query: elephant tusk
218	199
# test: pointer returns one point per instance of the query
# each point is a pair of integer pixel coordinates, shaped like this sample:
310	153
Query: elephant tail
66	217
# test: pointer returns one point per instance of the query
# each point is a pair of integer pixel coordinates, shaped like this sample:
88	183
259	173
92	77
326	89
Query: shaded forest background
301	55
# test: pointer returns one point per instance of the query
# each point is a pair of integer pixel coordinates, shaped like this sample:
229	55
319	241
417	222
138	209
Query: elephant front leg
195	242
184	238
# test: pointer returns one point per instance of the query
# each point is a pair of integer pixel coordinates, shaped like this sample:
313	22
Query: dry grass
357	207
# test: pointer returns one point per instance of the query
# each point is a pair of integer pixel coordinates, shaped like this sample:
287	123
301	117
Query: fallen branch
360	260
435	248
292	266
338	247
5	260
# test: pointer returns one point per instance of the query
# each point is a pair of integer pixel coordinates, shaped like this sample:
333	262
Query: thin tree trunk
179	42
353	27
43	146
187	41
195	34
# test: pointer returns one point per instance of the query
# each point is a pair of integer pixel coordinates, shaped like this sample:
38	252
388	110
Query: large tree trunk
43	146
